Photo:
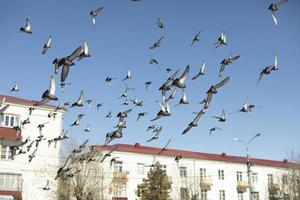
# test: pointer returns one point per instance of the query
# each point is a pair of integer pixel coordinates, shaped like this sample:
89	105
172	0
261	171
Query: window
270	178
164	167
255	195
119	190
239	176
284	179
240	196
10	182
183	172
202	173
222	194
183	194
254	177
203	194
118	166
6	152
141	168
9	120
221	174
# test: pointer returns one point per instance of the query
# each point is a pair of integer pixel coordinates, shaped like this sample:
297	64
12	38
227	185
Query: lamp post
249	172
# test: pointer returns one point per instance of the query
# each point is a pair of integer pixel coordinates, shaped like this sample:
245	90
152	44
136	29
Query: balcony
205	184
120	177
242	186
273	188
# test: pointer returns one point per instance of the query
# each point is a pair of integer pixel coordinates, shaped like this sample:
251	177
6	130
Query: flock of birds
175	82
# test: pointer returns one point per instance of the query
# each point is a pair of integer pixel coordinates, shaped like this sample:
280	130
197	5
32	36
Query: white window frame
254	177
270	178
203	194
15	119
10	182
118	166
202	173
8	152
222	195
239	176
221	174
240	195
183	171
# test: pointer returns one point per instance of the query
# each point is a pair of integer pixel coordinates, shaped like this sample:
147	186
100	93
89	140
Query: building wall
229	184
44	166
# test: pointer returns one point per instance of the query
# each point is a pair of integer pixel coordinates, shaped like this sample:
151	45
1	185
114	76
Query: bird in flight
196	38
222	40
47	45
94	14
227	61
221	118
193	123
201	71
27	28
213	129
160	23
274	8
48	94
268	69
180	82
157	43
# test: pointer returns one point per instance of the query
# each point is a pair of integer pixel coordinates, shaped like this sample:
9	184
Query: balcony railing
205	184
273	188
242	186
120	177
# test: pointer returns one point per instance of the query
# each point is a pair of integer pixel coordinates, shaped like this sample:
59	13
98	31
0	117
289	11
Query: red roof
17	100
15	194
189	154
10	133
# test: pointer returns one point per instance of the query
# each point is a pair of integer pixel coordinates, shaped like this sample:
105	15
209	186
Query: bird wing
75	54
160	40
185	74
64	73
52	86
280	2
49	41
221	71
168	108
198	116
186	129
98	10
127	111
223	82
27	25
274	19
275	60
42	102
85	48
208	100
234	58
165	147
4	109
223	114
81	96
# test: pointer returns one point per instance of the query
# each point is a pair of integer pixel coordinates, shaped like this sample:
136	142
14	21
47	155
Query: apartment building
24	171
212	176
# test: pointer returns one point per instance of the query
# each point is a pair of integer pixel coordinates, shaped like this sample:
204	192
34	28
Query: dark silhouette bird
87	129
157	43
41	126
141	114
15	88
180	82
77	121
94	14
267	70
201	71
108	154
80	100
31	156
48	94
108	115
99	105
177	158
222	40
89	102
165	147
46	186
109	80
160	23
247	108
47	45
128	75
27	28
274	8
221	118
110	136
213	130
81	147
155	137
153	61
196	38
163	112
193	123
147	84
184	100
227	61
150	127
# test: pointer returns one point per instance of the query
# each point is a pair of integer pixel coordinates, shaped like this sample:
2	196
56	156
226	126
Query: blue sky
121	38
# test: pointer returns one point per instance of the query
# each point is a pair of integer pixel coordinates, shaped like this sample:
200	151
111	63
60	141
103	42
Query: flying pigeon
213	129
196	38
79	101
267	70
128	76
27	28
201	71
222	40
48	94
227	61
77	121
164	111
153	61
183	100
222	118
193	123
94	14
160	23
15	88
273	8
155	137
165	147
157	43
180	82
47	45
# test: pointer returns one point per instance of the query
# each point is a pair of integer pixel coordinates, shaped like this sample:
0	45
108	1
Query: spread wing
185	74
27	25
64	73
75	54
222	83
52	85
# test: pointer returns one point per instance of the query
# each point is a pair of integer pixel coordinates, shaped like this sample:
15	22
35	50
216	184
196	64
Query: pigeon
222	118
47	45
167	84
79	101
124	114
160	23
165	147
89	102
48	94
157	43
164	111
155	137
4	108
141	114
99	105
31	109
113	160
110	136
15	88
26	121
213	129
147	84
94	14
180	82
136	102
46	186
183	100
196	38
193	123
77	121
247	108
29	146
153	61
81	147
125	103
222	40
108	154
172	95
150	127
41	126
227	61
31	156
177	158
109	115
27	28
109	80
201	72
267	70
87	129
273	8
128	76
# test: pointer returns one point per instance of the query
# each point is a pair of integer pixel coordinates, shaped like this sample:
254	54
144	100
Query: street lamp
249	172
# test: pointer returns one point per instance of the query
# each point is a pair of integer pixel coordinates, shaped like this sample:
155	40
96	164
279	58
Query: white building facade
211	176
19	178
